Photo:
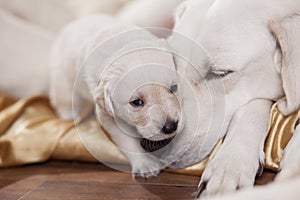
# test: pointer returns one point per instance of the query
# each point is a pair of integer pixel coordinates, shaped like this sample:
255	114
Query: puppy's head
154	109
141	89
249	53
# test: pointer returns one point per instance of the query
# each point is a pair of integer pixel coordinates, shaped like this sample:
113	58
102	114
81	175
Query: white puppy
252	48
129	77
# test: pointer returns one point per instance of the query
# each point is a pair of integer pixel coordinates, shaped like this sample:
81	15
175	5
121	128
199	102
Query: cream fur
145	10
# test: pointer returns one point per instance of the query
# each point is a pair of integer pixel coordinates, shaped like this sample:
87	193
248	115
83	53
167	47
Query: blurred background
28	28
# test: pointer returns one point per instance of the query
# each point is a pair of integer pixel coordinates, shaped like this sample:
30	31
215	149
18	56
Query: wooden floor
86	181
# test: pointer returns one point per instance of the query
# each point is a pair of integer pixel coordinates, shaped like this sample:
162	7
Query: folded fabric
281	130
30	132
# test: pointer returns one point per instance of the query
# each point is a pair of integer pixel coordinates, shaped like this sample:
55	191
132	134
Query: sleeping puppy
252	47
129	76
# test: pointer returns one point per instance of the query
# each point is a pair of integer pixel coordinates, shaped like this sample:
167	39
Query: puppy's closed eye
217	74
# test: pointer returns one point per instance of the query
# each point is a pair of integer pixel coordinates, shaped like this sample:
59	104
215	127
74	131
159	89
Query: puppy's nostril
170	127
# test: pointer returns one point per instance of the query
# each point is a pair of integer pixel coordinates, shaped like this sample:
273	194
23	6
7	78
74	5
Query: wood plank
72	180
13	174
267	177
95	190
100	185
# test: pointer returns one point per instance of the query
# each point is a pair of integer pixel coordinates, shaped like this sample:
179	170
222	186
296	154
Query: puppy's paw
146	174
147	167
227	173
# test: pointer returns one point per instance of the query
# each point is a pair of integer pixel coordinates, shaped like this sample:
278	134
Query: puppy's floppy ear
103	97
287	33
103	91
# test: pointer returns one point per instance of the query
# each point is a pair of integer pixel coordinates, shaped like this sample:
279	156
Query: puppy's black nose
170	127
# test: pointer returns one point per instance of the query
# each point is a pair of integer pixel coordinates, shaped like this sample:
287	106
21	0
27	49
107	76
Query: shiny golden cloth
281	129
30	132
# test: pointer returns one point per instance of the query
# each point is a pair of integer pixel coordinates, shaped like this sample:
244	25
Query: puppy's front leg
290	164
143	164
237	162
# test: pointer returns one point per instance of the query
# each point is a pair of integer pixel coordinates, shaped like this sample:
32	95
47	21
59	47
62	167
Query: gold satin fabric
30	132
281	129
